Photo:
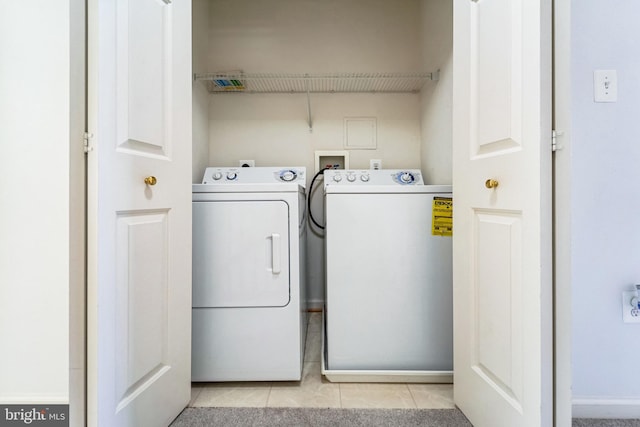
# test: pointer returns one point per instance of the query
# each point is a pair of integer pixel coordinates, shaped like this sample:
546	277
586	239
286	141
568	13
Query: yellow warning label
442	222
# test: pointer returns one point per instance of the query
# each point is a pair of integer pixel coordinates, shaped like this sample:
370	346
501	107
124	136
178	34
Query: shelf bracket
309	122
434	76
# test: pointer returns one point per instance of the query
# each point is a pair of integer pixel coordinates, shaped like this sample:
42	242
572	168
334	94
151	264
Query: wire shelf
239	82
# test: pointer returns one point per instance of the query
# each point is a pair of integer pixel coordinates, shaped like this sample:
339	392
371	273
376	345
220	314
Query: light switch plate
605	86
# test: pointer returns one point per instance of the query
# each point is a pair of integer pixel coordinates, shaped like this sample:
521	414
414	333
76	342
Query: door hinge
86	138
554	140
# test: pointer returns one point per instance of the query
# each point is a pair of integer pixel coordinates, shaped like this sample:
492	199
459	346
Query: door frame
561	187
78	215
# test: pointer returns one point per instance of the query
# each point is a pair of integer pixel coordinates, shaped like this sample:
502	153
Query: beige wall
273	131
436	98
312	37
332	36
200	99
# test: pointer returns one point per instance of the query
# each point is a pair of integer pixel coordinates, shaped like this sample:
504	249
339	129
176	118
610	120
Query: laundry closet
392	58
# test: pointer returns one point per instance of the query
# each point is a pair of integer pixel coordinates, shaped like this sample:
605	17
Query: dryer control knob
288	176
217	176
337	178
231	176
364	178
351	177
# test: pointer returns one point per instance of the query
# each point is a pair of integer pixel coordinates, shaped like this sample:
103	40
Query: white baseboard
604	407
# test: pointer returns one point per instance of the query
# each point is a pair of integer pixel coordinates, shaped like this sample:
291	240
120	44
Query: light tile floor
314	391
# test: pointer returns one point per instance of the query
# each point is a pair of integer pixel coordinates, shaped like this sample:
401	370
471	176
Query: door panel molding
144	53
495	61
142	266
497	341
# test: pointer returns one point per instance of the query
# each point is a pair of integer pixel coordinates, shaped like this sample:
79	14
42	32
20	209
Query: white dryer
249	300
388	314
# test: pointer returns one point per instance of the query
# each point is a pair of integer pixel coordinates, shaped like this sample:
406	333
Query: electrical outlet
375	164
246	163
630	314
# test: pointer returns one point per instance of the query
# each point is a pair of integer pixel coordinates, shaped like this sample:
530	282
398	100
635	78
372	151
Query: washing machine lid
385	181
388	189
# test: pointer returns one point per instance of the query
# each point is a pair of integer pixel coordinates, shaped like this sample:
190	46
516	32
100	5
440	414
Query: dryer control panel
373	177
256	175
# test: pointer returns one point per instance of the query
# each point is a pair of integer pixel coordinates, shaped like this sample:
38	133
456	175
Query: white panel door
241	254
139	237
502	238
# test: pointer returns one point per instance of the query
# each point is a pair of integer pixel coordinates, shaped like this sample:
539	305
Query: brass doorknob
491	183
150	180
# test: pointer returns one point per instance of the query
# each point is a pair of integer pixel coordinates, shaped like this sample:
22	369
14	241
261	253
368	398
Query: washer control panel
373	177
254	175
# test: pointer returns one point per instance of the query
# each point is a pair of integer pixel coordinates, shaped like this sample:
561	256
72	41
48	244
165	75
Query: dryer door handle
275	253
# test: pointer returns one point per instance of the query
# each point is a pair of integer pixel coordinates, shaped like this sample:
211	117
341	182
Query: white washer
388	314
249	300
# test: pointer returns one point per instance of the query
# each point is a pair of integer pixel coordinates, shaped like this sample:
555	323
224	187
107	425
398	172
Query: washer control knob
406	178
351	177
288	176
364	178
337	178
217	176
231	176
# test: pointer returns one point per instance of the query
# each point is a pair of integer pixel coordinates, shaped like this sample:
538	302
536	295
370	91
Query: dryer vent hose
320	172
